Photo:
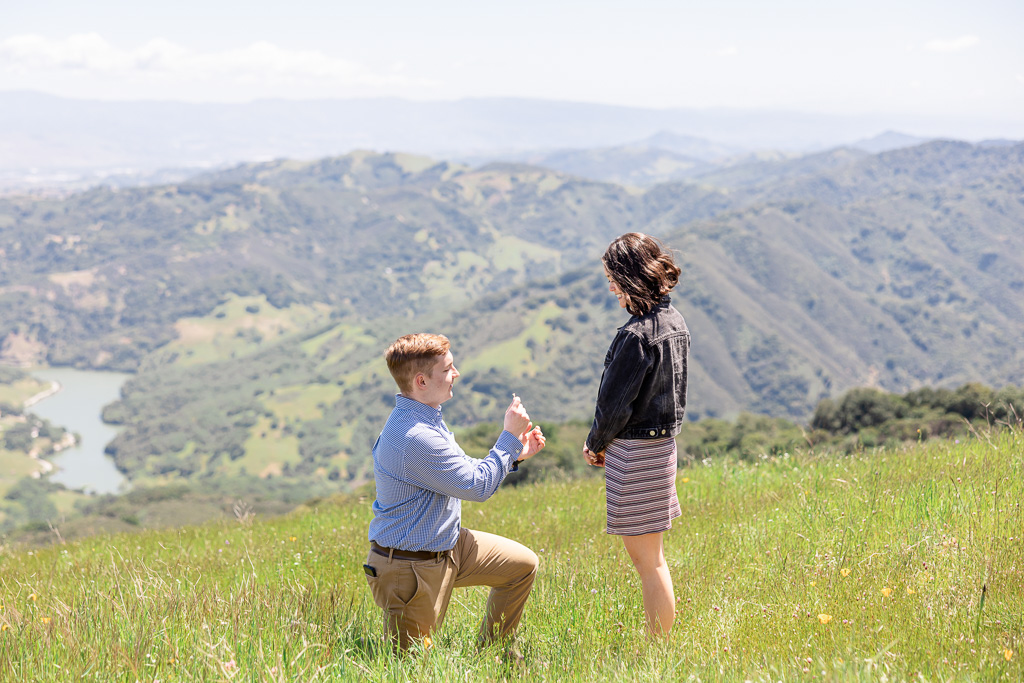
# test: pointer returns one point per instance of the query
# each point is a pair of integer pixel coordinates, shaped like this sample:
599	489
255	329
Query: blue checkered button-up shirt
423	476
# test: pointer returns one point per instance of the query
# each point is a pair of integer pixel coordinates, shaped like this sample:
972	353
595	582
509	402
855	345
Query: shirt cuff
509	444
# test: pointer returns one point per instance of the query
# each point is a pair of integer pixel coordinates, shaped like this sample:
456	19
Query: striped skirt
640	486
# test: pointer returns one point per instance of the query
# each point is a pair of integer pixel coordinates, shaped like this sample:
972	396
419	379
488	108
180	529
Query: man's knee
521	565
534	561
530	564
405	632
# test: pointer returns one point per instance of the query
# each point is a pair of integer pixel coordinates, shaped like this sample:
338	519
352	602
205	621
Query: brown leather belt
407	554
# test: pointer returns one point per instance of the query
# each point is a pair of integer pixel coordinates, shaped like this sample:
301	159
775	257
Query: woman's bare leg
648	555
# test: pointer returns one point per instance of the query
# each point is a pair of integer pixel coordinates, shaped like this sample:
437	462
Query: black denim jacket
643	386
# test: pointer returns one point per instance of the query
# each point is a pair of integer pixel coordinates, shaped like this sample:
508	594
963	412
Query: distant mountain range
667	157
47	141
887	141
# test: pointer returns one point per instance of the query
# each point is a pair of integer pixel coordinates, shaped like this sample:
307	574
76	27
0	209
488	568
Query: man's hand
517	421
594	458
533	441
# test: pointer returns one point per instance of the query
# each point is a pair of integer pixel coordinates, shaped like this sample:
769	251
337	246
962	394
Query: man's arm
436	463
432	462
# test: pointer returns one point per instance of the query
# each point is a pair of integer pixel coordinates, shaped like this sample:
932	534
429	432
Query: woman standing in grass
639	411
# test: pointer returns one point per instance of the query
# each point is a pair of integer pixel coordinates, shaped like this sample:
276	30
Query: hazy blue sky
920	57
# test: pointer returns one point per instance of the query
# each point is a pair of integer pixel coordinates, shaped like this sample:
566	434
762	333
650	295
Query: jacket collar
664	303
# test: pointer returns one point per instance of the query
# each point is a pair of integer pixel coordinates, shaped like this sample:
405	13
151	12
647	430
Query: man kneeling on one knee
419	550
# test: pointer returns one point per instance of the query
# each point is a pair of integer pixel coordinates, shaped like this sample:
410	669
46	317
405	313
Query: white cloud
729	51
88	51
261	61
954	45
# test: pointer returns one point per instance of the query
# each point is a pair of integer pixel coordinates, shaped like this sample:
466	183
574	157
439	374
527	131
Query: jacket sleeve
624	373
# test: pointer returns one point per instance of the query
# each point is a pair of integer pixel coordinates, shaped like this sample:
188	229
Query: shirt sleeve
437	464
620	384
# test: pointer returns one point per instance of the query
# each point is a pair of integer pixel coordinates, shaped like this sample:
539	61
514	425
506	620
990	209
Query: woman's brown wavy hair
643	270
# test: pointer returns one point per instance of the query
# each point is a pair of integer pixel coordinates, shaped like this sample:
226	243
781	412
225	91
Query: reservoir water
77	407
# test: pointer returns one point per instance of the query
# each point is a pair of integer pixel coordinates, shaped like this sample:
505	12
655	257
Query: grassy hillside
895	564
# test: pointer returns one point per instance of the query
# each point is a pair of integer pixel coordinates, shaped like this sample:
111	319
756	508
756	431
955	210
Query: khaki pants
414	594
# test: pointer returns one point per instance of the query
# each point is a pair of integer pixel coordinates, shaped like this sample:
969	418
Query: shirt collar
421	409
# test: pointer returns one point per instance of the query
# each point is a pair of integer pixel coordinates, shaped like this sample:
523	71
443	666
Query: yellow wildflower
1007	654
45	620
886	592
293	538
814	583
824	618
33	597
686	480
4	627
845	571
427	643
910	591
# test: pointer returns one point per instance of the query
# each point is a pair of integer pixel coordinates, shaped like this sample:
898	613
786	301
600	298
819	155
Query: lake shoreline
47	467
74	400
55	388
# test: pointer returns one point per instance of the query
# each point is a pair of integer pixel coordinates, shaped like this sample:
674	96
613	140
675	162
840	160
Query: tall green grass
890	565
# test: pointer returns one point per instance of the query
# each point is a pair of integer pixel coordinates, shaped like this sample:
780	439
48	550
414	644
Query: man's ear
420	381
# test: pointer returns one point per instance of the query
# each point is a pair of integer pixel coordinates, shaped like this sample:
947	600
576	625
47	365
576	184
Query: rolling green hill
100	279
255	303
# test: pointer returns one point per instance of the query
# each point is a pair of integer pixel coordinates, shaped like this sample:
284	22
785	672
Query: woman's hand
593	458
